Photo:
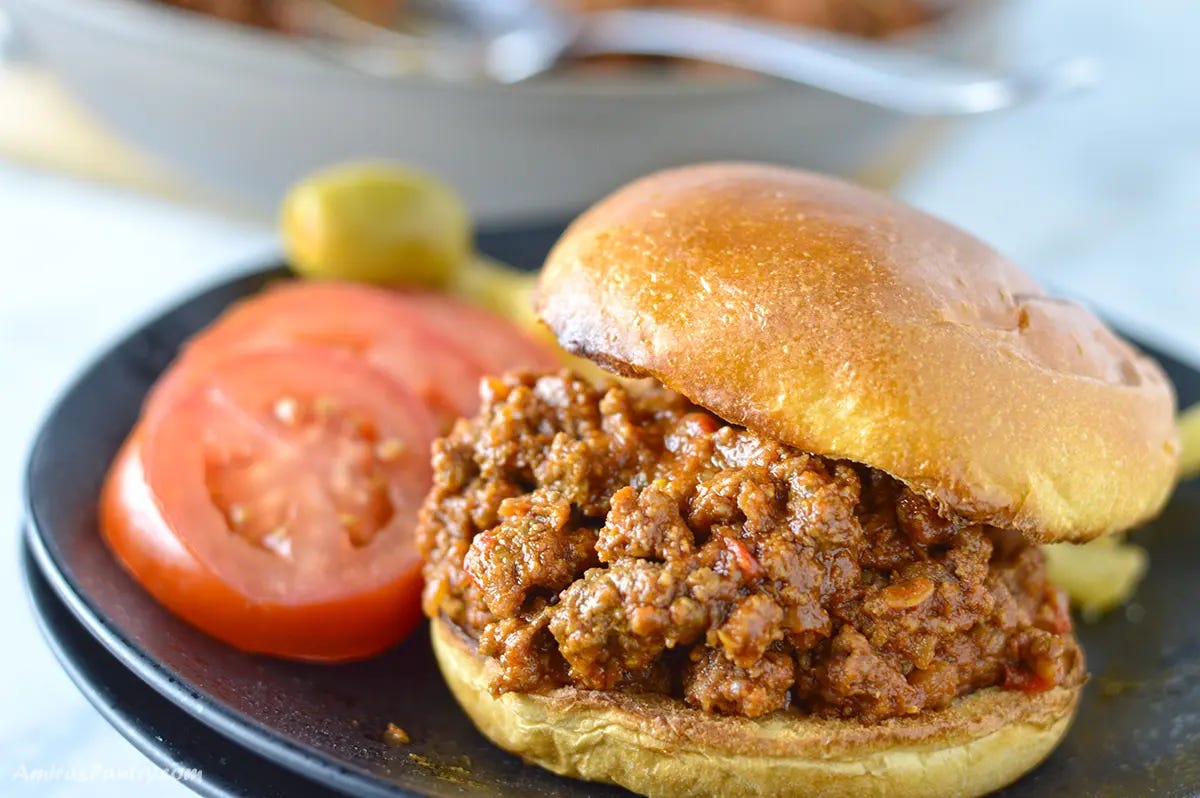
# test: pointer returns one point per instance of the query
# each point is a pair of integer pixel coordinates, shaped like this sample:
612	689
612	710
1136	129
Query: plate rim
229	723
125	722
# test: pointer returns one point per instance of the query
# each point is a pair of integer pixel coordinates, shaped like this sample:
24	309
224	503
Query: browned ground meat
282	15
858	17
260	13
618	539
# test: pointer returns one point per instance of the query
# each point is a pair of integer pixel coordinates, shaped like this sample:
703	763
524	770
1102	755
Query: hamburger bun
853	326
659	747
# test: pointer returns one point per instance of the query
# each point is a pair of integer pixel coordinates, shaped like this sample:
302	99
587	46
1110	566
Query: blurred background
144	149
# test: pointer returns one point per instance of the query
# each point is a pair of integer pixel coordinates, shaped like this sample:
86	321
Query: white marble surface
1099	195
79	264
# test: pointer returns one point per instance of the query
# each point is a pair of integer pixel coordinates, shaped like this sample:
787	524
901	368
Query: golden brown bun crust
851	325
658	747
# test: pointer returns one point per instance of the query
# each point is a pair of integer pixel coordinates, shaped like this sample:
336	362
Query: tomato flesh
495	342
273	506
375	324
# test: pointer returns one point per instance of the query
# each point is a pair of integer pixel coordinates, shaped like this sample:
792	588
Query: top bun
853	326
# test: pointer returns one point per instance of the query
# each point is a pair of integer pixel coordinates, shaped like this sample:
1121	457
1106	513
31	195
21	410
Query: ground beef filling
857	17
626	539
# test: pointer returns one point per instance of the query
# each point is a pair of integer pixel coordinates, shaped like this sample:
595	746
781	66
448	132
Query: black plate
172	739
1138	731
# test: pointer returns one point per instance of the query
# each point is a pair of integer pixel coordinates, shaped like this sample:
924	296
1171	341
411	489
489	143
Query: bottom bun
658	746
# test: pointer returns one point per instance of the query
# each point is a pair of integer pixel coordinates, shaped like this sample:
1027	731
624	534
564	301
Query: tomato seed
238	515
279	542
287	410
389	450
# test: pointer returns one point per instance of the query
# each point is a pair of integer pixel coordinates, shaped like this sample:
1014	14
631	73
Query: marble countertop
1098	195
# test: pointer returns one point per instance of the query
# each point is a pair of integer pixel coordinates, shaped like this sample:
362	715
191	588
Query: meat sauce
623	539
871	18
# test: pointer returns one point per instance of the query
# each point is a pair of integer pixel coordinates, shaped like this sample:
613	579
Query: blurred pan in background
244	109
869	18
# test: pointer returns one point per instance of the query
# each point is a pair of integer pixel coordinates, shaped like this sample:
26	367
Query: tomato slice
274	505
497	343
376	324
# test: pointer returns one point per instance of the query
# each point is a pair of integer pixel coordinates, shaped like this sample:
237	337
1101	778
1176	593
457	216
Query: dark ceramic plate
1138	731
172	739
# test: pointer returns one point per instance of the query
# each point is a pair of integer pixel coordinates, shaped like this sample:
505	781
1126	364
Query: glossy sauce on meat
625	539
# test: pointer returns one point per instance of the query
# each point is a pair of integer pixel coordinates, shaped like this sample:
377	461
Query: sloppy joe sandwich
800	556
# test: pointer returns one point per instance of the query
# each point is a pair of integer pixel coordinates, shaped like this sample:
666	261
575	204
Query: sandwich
794	550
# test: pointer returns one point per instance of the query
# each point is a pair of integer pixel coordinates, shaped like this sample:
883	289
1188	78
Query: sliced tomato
373	323
273	506
497	343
